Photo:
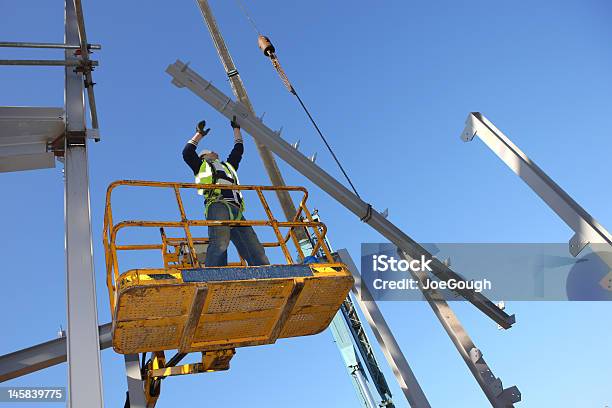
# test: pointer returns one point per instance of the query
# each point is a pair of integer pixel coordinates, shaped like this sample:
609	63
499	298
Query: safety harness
218	172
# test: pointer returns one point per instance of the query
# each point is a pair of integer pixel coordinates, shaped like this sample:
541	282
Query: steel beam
240	92
392	351
44	355
84	373
87	74
360	379
339	331
7	44
21	162
183	76
25	136
586	228
353	322
134	380
47	63
342	338
345	326
491	385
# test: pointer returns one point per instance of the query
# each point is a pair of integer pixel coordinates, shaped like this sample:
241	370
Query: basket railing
302	219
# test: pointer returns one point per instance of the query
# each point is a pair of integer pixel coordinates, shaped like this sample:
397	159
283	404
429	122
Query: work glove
234	124
201	128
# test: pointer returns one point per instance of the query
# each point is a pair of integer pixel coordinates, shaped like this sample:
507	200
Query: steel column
392	351
183	76
84	374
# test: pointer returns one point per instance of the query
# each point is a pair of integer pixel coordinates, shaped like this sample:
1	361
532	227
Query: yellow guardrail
302	219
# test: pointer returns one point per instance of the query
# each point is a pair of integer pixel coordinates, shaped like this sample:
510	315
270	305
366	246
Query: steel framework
183	76
82	345
70	144
346	324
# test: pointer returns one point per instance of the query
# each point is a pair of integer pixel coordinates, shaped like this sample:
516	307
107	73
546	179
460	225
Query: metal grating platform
221	308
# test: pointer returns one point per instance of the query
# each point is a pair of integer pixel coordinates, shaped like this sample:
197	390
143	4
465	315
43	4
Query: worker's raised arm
189	151
236	154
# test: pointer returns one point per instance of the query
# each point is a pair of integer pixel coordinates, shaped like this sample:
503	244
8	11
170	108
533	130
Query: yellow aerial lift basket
187	307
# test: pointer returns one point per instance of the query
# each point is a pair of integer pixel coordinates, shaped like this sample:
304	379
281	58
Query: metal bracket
576	244
217	360
511	395
470	129
606	281
93	134
76	137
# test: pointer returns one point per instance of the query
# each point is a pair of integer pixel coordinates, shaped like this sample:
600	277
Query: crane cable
326	144
248	16
268	49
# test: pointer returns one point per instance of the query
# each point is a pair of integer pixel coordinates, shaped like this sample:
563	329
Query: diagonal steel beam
44	355
498	396
240	92
183	76
391	349
85	51
586	228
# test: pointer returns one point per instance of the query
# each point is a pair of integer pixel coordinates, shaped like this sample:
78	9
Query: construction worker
223	204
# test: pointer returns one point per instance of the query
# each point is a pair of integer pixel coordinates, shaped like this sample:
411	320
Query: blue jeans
244	238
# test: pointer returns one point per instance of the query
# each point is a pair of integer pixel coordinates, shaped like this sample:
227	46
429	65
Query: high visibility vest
218	173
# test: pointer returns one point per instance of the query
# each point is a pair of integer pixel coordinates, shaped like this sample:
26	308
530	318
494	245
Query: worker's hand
234	124
201	128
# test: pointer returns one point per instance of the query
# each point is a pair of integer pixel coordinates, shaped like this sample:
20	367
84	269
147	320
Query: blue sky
391	84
